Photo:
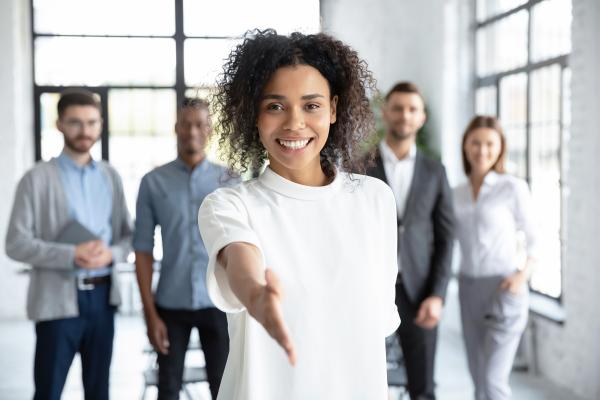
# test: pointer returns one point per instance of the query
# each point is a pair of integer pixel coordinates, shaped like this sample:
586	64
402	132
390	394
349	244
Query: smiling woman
341	83
293	122
492	208
303	258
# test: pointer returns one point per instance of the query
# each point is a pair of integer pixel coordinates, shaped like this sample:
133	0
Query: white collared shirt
487	228
399	173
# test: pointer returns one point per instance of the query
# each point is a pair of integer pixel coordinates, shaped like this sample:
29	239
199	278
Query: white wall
427	42
16	138
570	354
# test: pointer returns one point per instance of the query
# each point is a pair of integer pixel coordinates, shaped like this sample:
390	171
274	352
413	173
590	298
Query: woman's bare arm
260	292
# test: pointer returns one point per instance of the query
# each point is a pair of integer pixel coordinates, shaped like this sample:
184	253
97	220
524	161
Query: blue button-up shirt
170	196
89	197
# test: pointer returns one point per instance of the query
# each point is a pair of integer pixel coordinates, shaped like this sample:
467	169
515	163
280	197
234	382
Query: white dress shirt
399	173
487	227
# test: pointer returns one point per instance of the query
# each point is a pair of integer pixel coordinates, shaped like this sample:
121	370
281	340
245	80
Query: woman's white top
334	250
487	228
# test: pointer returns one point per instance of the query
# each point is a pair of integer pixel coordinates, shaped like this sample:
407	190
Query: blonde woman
491	208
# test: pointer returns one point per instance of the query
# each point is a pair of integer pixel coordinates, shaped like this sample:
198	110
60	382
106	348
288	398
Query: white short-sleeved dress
334	250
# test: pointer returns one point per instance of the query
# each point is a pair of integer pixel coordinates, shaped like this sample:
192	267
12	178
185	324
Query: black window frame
179	86
494	79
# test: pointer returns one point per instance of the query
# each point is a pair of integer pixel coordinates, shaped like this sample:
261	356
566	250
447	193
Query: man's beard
79	146
189	149
400	135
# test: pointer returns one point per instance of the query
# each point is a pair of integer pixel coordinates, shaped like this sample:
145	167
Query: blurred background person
425	233
70	222
491	208
170	197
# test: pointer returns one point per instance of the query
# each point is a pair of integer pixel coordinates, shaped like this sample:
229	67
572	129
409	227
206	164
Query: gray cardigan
39	212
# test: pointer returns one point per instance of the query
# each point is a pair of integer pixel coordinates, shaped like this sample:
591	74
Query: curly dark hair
250	66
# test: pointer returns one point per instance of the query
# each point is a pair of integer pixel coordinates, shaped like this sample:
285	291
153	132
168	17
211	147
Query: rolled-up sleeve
222	220
145	220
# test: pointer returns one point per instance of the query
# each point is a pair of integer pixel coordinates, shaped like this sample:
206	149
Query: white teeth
293	144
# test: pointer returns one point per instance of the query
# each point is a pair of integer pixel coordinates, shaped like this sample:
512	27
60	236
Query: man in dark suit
425	233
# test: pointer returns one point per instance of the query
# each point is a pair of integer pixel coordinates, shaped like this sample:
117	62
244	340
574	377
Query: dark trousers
418	347
214	338
91	334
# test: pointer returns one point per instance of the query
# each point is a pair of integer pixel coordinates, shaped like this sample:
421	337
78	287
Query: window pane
550	29
141	134
566	134
105	17
502	46
146	112
204	60
52	138
513	111
205	18
545	174
485	100
200	92
490	8
104	61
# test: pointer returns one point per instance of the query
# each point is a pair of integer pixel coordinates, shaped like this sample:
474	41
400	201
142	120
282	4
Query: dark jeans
91	334
214	338
418	347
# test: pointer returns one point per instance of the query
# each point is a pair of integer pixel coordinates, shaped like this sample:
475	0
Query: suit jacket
425	232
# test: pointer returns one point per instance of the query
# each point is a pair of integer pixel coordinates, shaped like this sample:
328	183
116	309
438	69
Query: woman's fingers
512	284
274	323
281	334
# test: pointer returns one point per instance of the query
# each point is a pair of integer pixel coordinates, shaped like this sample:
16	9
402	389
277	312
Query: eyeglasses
79	124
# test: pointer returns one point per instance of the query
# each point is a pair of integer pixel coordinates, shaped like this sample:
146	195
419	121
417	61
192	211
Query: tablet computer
74	233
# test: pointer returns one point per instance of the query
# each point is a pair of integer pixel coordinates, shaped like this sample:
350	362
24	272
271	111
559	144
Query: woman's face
482	149
295	112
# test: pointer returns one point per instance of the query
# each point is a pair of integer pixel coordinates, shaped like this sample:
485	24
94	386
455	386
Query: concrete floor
17	345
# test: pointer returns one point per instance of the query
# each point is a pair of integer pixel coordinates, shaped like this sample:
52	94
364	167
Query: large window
522	53
141	57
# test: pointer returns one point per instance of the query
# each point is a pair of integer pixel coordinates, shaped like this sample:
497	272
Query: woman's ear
333	115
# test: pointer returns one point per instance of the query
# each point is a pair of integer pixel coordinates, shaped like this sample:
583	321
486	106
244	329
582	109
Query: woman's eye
313	106
274	107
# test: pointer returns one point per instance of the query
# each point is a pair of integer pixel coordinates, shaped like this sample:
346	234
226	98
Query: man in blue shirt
170	196
73	290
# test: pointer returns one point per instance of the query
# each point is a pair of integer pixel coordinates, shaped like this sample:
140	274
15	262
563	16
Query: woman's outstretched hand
265	307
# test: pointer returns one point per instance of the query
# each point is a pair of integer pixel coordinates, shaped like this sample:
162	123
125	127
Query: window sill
547	308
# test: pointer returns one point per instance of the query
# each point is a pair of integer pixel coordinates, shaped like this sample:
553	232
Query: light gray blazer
39	212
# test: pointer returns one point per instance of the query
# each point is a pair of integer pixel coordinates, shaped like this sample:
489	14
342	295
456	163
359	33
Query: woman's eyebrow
281	97
273	97
312	96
